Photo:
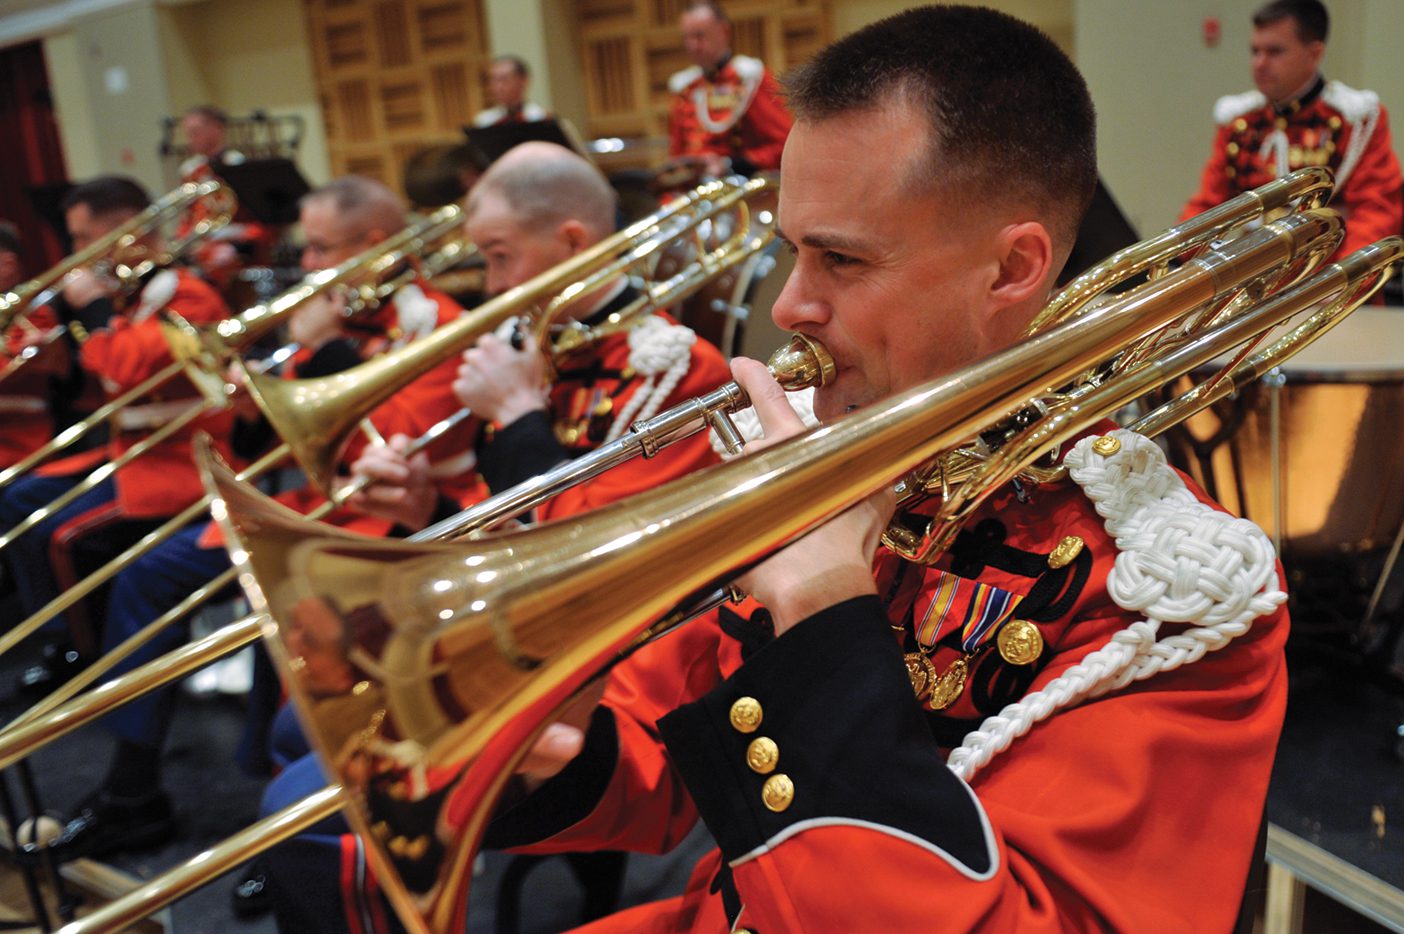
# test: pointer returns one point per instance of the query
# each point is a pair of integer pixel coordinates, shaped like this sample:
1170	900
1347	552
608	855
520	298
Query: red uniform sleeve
127	353
765	126
419	405
1213	181
1371	199
706	372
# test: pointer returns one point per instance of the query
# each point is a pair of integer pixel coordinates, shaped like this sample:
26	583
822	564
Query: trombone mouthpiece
803	362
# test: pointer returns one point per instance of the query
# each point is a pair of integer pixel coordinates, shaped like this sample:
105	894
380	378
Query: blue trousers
28	555
152	585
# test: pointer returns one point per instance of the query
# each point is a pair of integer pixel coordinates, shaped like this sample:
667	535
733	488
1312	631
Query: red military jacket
1134	811
1331	125
415	311
735	111
24	396
133	347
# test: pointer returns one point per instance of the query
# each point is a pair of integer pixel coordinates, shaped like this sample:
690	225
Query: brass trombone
518	633
121	250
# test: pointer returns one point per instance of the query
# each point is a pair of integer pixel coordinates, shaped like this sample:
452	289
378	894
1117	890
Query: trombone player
810	727
122	343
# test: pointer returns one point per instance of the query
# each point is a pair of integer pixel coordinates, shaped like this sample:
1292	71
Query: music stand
492	141
269	189
1104	231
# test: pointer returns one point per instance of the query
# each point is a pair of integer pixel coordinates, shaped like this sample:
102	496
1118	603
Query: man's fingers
556	746
777	417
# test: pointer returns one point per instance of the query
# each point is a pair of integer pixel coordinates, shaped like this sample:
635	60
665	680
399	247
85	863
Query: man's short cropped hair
362	203
711	6
518	64
107	194
1011	118
9	238
1313	22
208	112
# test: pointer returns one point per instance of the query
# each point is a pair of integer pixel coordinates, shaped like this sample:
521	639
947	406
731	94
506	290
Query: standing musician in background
24	400
508	80
1296	118
243	240
339	220
536	207
726	108
123	343
810	728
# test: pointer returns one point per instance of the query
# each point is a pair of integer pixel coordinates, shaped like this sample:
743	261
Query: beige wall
240	55
1052	16
246	55
1155	82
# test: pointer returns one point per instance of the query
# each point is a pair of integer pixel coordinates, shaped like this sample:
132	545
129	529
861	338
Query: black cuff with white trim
520	451
821	725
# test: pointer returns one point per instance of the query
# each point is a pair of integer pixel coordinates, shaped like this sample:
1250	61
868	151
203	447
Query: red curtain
31	156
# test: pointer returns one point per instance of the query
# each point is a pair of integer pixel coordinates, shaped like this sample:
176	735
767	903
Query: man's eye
838	259
790	247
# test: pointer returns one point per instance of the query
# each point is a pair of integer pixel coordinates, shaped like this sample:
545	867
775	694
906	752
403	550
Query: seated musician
537	206
339	221
810	729
122	344
243	240
726	109
24	402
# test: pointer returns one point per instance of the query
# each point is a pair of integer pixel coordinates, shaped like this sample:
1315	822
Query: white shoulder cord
656	348
1180	561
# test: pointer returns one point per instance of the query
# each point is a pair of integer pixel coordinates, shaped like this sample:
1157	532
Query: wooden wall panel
631	47
395	77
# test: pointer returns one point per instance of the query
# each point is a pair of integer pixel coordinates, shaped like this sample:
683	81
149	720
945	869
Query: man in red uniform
123	342
812	732
339	221
1296	118
726	108
537	206
232	247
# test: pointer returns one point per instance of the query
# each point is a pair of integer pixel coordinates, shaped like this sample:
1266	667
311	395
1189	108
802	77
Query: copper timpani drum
1312	453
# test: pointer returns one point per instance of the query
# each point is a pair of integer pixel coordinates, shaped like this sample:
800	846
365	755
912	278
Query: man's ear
574	234
1026	252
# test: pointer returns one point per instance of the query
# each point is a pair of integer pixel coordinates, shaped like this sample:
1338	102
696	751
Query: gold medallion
946	689
1020	642
921	672
1064	552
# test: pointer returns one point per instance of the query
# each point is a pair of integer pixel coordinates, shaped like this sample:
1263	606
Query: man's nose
796	304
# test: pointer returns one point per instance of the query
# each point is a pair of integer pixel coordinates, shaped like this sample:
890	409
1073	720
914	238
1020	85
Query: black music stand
491	142
269	189
1104	230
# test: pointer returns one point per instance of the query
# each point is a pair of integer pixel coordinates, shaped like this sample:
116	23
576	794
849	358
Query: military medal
1020	642
921	671
947	688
